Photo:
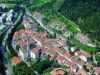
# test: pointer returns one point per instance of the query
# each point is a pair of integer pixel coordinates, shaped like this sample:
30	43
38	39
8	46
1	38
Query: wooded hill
86	14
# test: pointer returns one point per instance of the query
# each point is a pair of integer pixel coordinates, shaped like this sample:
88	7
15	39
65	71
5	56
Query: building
82	38
26	23
3	17
89	66
57	71
16	60
97	71
77	53
10	18
81	72
38	16
10	12
84	57
35	53
23	52
60	59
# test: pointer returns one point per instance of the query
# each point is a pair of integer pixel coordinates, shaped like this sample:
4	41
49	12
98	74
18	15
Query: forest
86	14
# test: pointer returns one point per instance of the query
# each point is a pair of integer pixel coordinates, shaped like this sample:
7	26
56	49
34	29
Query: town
33	42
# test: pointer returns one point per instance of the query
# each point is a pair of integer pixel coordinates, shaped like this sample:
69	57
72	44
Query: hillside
86	14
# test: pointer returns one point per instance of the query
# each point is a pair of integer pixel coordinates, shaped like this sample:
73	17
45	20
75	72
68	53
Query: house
3	17
10	12
23	52
82	38
89	66
62	42
32	28
97	71
58	27
66	47
81	72
38	16
52	53
63	28
80	64
68	34
26	23
73	59
10	18
75	68
53	25
60	52
60	59
84	57
16	60
77	53
67	55
35	53
70	64
57	71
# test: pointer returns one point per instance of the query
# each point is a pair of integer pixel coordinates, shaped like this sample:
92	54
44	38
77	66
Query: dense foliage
23	69
42	65
85	13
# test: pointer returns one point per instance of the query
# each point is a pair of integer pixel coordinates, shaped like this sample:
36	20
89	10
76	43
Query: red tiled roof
67	54
70	64
36	50
62	41
78	52
81	72
97	70
85	55
89	66
16	60
80	63
22	31
57	71
60	58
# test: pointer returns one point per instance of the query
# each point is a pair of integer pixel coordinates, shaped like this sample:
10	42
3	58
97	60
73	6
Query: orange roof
89	66
85	55
54	48
70	64
67	54
80	63
44	34
57	71
16	60
81	72
22	31
97	70
46	41
36	50
60	58
78	52
62	41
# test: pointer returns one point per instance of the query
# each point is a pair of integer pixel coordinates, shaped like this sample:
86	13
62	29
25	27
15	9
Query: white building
84	57
35	53
10	17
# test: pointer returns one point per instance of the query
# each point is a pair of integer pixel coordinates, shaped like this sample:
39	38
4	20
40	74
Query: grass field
39	3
